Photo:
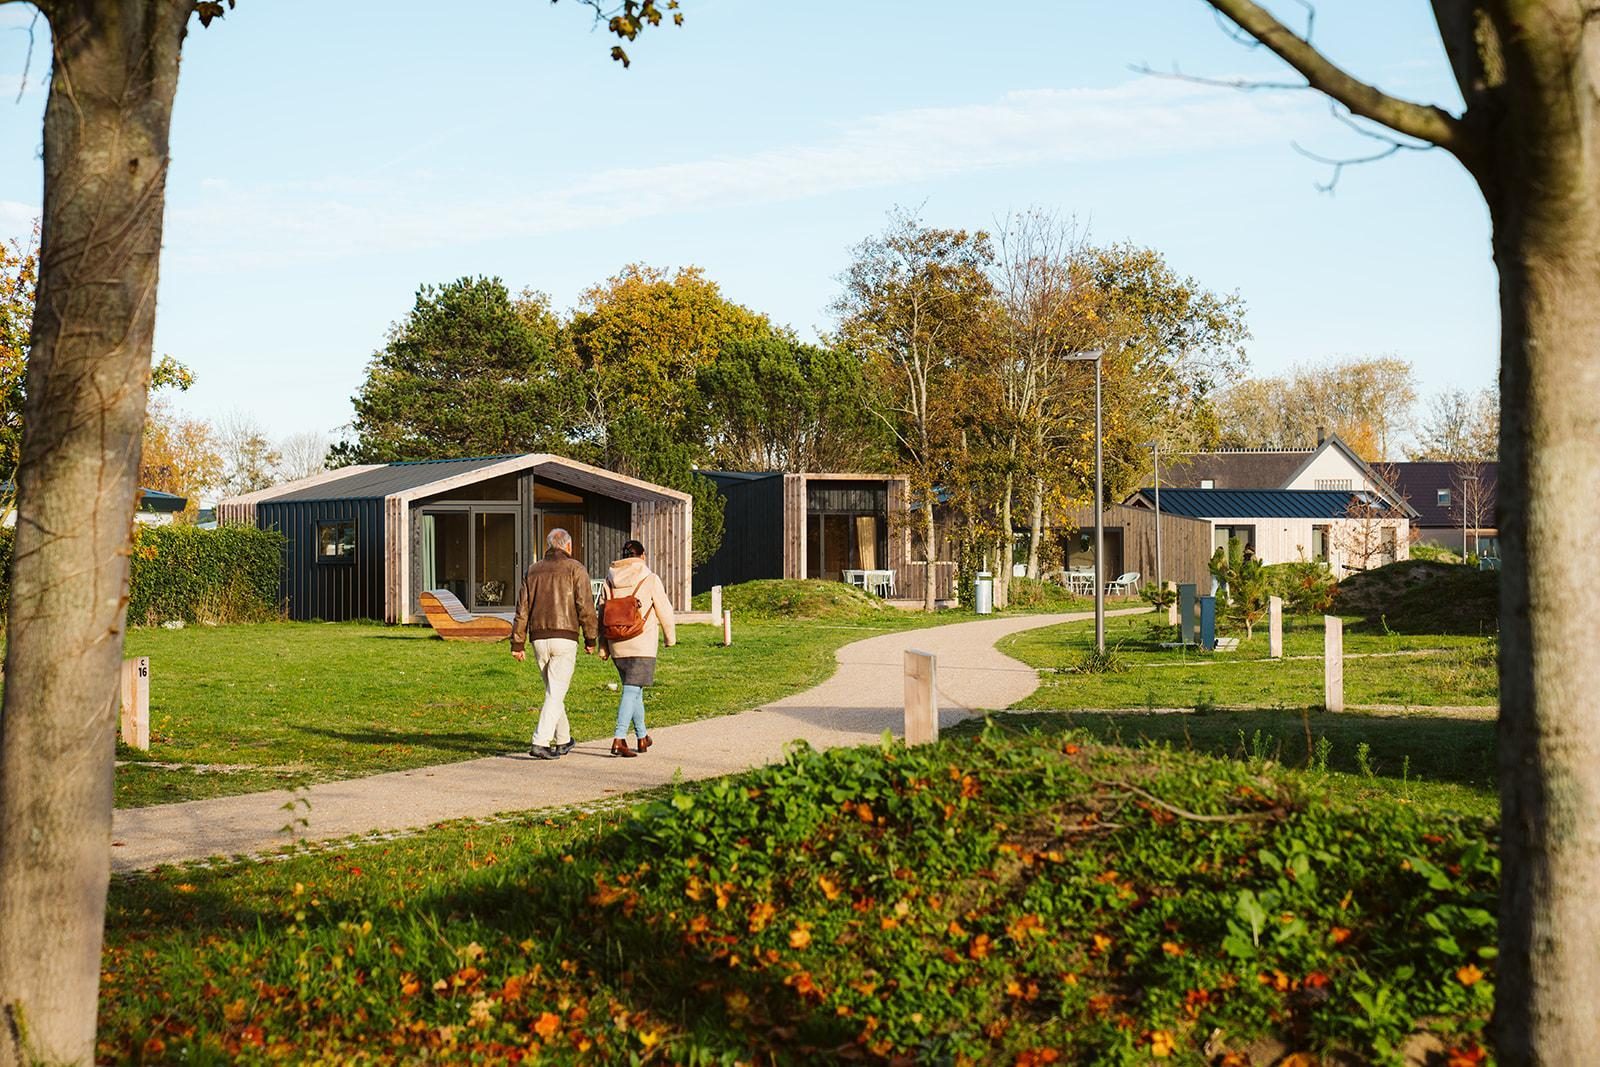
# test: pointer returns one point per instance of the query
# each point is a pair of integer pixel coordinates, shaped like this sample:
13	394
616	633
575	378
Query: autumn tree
114	76
1367	401
914	300
1528	136
19	273
1460	425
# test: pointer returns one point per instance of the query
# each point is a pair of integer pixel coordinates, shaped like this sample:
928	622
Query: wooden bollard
136	703
727	629
716	602
1333	662
922	698
1275	627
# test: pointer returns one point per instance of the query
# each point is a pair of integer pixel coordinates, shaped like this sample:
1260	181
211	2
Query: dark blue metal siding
752	531
332	592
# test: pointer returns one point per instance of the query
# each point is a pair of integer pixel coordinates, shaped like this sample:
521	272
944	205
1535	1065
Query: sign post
922	698
1275	627
136	703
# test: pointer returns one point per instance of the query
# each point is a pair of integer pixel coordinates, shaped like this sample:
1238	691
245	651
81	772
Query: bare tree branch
1242	84
1424	122
27	62
1392	146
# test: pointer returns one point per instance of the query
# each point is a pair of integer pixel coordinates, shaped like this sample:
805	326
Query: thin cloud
1143	119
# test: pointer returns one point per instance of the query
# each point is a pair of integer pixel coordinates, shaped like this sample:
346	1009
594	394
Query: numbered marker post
136	703
922	700
1275	627
1333	663
716	602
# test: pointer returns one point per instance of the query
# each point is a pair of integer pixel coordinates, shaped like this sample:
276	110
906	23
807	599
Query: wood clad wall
664	528
1185	543
232	513
794	526
907	578
752	532
332	592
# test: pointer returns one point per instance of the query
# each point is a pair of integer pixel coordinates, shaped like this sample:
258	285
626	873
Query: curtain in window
867	541
430	567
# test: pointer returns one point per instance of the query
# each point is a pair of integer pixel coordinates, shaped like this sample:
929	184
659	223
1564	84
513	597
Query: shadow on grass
1411	746
481	743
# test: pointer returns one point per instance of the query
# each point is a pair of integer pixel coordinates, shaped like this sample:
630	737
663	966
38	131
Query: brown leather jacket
556	601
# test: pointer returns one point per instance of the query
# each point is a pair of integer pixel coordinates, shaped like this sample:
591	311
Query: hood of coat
627	573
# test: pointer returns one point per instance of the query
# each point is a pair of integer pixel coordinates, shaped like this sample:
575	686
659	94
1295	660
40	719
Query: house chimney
1322	435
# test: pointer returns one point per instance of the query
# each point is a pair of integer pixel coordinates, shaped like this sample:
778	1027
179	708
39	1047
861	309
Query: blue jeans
630	710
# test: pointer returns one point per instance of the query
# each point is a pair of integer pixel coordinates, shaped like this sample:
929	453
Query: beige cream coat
633	576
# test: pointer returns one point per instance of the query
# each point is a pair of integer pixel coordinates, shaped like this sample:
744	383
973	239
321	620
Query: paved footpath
862	700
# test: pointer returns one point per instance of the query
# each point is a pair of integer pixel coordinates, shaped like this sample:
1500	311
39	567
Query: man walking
555	605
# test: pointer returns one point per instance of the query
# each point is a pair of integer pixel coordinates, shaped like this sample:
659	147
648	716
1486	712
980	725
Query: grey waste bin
983	593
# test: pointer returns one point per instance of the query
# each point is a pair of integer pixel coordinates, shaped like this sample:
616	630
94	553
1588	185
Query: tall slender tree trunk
114	74
1547	246
1002	572
1036	528
929	553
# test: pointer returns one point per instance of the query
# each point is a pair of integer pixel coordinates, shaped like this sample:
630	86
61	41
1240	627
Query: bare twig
1182	813
1242	84
27	62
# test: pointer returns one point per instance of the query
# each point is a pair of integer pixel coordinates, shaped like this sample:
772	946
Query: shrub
224	575
1434	553
1306	586
1242	596
1034	593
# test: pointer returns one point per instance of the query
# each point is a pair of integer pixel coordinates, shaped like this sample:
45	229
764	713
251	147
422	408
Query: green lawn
982	900
245	708
1405	670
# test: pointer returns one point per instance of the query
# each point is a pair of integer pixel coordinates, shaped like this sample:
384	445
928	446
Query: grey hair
559	538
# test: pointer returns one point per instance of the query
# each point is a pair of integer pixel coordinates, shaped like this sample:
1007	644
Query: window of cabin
1207	483
336	541
1443	498
1336	484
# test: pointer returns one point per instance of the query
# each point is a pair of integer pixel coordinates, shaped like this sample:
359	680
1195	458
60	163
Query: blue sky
328	159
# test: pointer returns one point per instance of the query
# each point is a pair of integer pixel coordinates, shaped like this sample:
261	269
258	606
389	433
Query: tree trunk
1036	528
1547	247
1002	573
115	70
928	554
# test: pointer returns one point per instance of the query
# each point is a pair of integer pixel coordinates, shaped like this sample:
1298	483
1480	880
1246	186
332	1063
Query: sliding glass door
472	552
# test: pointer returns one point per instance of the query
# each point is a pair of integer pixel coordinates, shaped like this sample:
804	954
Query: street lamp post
1155	451
1093	356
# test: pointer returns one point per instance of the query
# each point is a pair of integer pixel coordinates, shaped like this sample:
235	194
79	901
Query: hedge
183	572
229	574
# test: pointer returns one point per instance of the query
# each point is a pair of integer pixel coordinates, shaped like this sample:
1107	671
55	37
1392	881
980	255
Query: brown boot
644	744
619	747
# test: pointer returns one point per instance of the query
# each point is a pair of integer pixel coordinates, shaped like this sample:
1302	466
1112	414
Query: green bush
225	575
1306	586
1036	593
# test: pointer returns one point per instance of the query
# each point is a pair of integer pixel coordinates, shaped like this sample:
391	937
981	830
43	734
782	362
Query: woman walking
633	619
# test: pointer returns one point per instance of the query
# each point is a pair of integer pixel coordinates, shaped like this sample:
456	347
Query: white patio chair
1124	584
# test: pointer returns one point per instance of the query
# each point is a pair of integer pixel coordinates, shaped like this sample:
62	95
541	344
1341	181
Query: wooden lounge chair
452	621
